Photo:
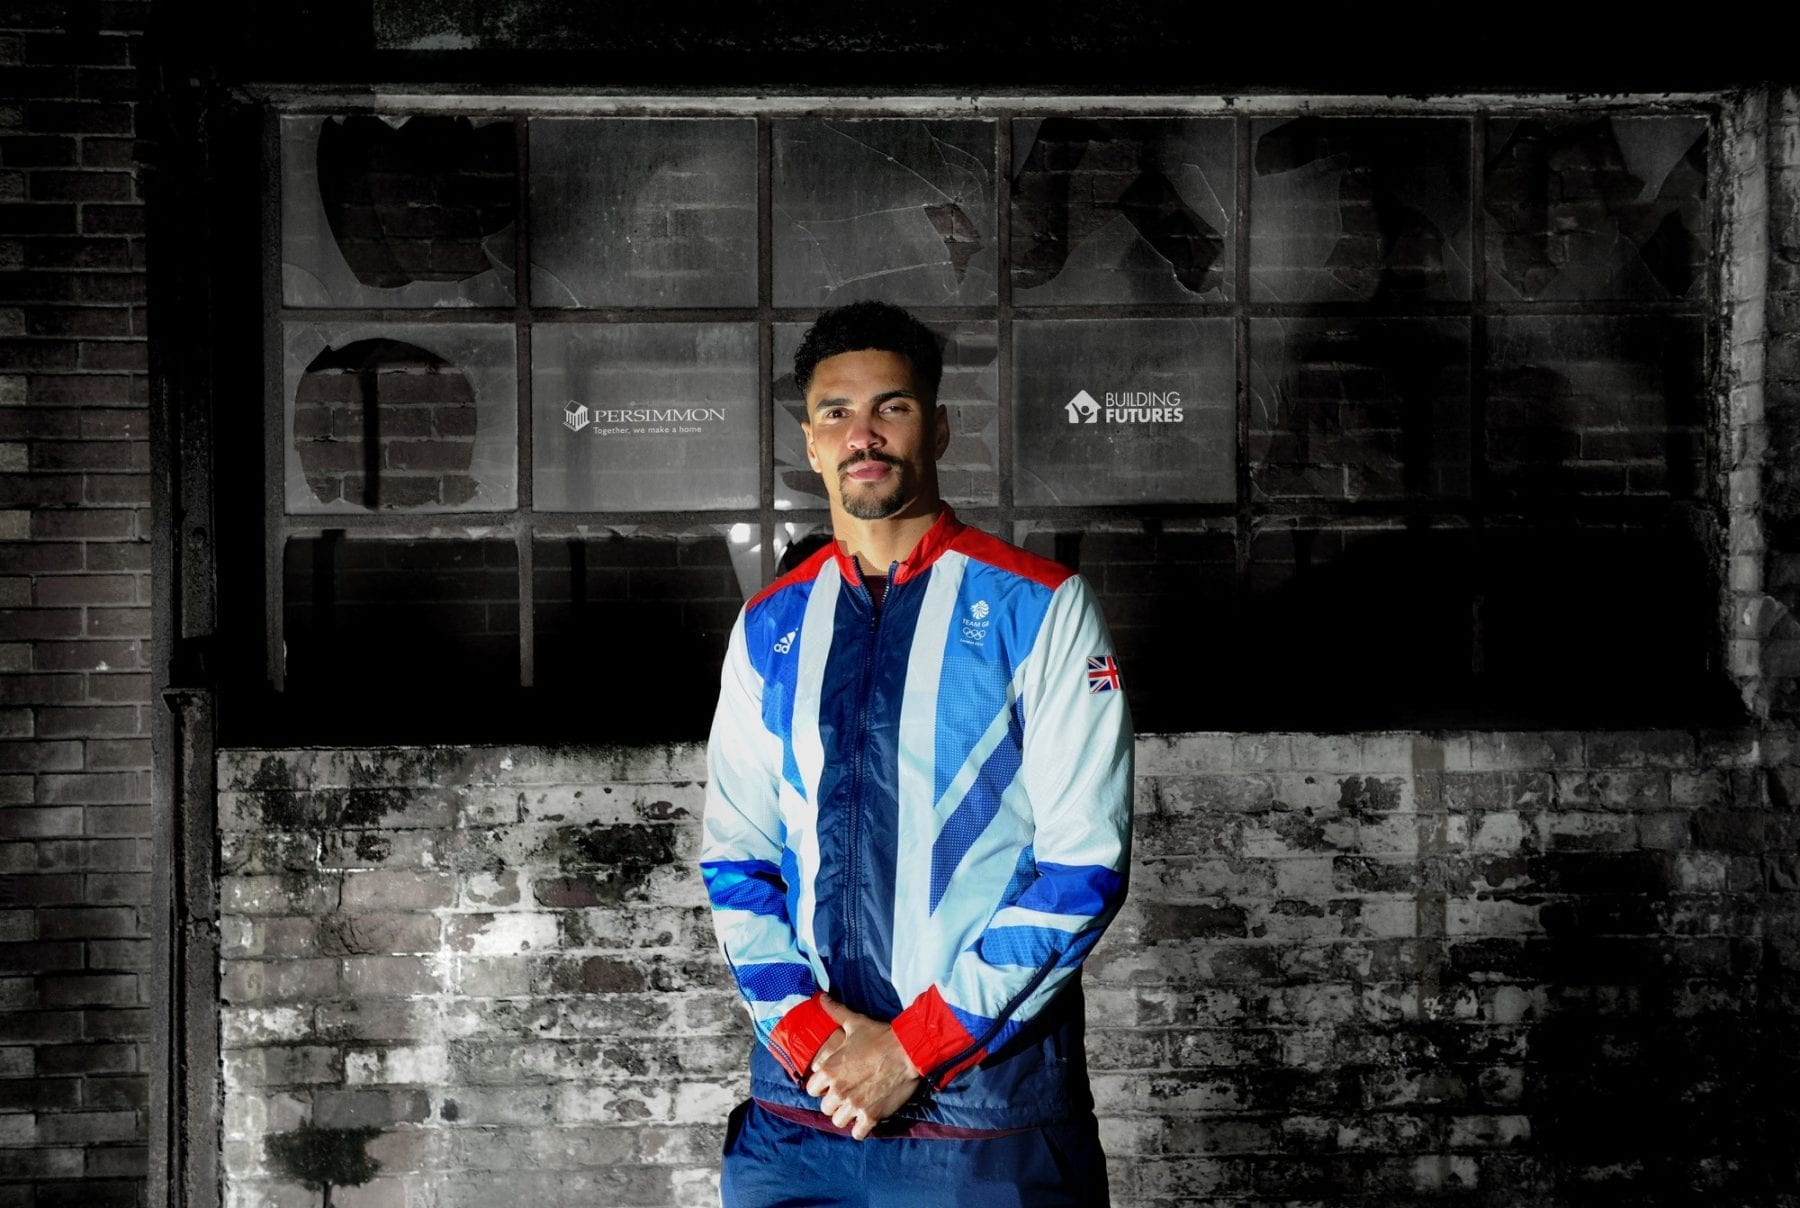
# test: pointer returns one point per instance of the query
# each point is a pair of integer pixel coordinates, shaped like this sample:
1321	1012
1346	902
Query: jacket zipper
853	879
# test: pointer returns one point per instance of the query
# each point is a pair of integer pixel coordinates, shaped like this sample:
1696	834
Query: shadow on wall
1366	628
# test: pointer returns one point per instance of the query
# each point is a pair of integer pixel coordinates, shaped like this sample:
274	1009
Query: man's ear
811	456
940	437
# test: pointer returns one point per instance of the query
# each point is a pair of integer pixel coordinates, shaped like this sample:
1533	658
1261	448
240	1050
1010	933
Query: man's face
874	436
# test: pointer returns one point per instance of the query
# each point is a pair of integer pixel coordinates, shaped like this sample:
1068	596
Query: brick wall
1512	969
1766	397
74	616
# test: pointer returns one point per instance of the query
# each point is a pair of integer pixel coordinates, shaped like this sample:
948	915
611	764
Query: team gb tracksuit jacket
923	810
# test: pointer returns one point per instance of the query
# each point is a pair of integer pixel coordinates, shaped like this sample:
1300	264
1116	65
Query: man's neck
878	544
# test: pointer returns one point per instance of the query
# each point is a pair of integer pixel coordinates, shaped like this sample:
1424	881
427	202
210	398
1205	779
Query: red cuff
931	1035
796	1039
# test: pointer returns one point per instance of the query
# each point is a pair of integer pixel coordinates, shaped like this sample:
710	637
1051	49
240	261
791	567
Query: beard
865	505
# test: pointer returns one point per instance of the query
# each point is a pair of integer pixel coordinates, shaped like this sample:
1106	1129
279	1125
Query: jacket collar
930	548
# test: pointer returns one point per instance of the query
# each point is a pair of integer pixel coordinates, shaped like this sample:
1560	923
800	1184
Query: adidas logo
786	643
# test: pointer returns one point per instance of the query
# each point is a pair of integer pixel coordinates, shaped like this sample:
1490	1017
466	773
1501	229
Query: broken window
1595	208
400	417
1122	210
380	211
902	210
1400	405
1168	590
968	473
1358	618
636	212
1124	411
1595	406
1359	409
1359	209
419	618
644	416
643	604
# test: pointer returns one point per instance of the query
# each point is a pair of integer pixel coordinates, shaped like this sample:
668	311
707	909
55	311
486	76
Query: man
918	821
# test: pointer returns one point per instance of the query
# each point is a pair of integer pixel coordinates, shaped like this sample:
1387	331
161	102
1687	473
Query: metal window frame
524	526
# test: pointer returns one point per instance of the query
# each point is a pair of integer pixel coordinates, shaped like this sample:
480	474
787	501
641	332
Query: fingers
843	1016
844	1113
832	1044
816	1084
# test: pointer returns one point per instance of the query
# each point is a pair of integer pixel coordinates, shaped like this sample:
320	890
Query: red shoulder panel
985	547
807	570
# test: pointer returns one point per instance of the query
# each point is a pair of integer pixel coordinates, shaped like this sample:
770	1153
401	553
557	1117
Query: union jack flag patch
1103	674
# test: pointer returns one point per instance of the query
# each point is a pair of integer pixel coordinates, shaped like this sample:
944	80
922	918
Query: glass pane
1591	405
404	416
1355	619
644	605
1359	408
795	542
380	211
415	617
969	472
1124	411
1596	208
1625	616
1122	210
1166	591
1359	209
640	416
890	209
643	212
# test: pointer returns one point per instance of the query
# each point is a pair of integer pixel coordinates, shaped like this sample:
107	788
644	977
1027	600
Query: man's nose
865	433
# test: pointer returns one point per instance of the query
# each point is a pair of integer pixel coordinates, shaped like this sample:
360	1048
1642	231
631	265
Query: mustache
844	467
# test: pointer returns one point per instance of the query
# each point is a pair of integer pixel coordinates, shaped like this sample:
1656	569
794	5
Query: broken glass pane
1359	408
969	472
798	540
1124	411
1355	618
1122	210
1359	209
415	616
1624	615
643	416
640	604
892	209
643	212
403	416
1167	590
390	211
1592	405
1596	208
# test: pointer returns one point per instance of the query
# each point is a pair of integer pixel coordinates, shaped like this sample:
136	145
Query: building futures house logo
1083	409
640	421
1126	407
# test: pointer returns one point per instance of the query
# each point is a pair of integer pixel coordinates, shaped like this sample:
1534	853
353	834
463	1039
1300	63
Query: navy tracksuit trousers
771	1162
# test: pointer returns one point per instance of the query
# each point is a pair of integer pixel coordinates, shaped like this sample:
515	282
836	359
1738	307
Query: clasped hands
861	1074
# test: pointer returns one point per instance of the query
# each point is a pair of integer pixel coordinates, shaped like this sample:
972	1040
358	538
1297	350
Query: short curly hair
878	325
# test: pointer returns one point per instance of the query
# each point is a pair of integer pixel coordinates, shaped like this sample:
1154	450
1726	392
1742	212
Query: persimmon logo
640	421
